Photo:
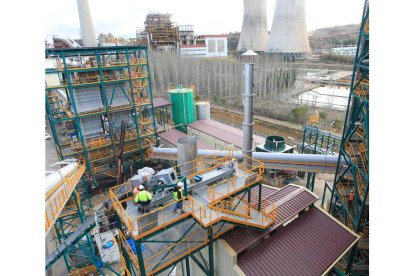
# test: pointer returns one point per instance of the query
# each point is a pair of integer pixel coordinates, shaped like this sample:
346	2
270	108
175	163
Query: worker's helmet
180	185
141	187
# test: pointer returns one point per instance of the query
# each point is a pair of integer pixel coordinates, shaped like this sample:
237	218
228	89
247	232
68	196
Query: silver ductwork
187	151
273	160
248	111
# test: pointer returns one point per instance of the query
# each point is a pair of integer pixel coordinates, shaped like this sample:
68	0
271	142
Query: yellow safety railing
58	196
124	268
147	223
254	170
128	249
176	251
117	204
206	215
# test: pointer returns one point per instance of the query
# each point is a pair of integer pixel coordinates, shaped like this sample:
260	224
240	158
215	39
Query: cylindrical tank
187	151
183	106
203	110
275	143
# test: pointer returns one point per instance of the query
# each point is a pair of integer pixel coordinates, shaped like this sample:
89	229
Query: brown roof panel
307	246
160	102
224	132
172	136
291	200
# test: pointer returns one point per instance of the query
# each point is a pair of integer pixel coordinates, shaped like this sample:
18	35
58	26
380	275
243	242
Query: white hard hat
141	187
180	184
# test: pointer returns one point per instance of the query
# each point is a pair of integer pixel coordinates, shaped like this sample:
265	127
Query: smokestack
289	34
248	112
254	30
87	30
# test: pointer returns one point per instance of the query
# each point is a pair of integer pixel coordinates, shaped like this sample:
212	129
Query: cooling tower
87	30
254	30
289	34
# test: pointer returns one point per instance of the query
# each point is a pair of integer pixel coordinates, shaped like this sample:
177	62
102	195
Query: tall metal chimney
87	30
248	112
289	34
254	33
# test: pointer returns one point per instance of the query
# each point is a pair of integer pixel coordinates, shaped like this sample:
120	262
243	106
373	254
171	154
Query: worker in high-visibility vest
143	198
178	197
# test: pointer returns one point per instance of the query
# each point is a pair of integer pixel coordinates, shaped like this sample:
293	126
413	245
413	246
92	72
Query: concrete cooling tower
87	30
254	33
289	34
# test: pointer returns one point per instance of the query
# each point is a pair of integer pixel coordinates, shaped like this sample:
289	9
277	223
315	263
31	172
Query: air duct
187	151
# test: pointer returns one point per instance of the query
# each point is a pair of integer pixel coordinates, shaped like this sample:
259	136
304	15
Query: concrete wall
210	140
225	260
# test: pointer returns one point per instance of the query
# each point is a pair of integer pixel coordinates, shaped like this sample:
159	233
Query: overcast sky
121	17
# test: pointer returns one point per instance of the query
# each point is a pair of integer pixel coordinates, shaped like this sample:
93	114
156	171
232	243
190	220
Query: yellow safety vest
176	195
143	196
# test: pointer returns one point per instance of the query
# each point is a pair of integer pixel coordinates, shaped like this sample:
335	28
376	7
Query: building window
211	46
220	46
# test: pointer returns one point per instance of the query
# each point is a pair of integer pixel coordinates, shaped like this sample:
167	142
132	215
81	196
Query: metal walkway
76	236
59	195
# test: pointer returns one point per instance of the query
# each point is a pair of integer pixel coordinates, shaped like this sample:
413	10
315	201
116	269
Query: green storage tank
183	110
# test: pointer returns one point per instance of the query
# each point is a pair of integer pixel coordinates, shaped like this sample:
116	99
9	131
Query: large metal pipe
248	111
287	161
187	151
86	24
56	177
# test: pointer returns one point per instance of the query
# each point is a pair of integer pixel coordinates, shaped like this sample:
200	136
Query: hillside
334	36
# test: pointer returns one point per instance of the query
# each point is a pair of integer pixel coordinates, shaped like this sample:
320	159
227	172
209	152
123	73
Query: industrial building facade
93	92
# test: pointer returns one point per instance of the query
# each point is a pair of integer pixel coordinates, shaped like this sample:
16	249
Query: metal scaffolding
316	141
89	92
155	242
353	175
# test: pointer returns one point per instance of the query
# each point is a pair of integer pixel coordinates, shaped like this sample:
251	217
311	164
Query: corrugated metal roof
290	200
172	136
307	246
160	102
224	132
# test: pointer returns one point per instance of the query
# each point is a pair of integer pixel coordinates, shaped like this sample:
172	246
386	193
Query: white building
213	46
194	50
347	51
216	45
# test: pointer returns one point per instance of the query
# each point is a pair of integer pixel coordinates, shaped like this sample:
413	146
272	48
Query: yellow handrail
56	199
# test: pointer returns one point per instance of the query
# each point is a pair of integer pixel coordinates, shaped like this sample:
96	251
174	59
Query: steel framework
72	231
158	241
354	174
316	141
89	92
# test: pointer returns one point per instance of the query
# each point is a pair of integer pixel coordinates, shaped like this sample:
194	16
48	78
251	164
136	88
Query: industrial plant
172	154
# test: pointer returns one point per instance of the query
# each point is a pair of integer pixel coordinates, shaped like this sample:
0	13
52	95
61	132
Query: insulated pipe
305	162
248	112
56	177
86	24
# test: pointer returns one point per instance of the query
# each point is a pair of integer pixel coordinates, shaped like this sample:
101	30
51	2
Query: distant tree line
220	79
